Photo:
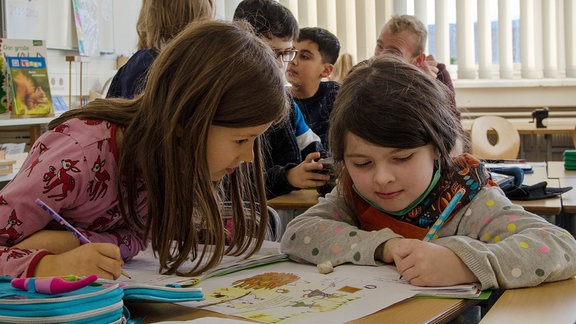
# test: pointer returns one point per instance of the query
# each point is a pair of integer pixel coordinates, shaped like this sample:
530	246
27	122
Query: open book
144	267
293	292
469	291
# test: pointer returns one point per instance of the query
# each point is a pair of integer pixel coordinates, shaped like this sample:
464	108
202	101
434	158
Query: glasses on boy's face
286	56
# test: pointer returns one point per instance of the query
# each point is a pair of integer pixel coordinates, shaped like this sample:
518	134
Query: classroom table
295	200
548	206
569	198
547	303
556	170
412	310
566	178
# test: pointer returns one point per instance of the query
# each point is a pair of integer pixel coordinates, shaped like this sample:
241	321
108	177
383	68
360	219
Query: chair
274	230
506	136
274	226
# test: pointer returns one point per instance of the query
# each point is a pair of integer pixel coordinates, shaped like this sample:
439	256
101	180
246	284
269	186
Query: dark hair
391	103
269	18
328	44
212	73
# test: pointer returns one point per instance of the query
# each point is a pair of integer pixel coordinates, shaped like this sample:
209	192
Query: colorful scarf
468	173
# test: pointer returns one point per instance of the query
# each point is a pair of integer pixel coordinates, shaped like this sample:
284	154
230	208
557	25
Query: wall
117	26
472	95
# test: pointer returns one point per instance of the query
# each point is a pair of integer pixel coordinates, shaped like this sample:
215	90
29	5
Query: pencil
68	226
444	215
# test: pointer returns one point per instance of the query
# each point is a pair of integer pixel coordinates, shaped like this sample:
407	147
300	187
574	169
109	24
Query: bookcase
33	126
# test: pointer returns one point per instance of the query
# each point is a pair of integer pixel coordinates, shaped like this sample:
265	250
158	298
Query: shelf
25	121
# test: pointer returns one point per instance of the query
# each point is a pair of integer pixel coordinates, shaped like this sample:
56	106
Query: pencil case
100	301
90	304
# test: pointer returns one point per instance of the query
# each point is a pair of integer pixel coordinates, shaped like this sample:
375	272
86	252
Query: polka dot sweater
502	244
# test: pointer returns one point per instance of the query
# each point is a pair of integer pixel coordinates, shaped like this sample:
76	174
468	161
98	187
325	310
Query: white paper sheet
288	292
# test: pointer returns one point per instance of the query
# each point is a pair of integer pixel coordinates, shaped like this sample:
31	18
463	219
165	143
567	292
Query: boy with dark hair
290	141
318	50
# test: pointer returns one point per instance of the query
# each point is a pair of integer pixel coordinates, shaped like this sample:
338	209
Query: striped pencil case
98	301
90	304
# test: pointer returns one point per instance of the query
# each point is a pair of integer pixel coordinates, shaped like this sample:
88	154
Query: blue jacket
285	146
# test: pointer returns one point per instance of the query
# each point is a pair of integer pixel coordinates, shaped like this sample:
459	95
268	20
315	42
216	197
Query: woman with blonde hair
159	21
341	68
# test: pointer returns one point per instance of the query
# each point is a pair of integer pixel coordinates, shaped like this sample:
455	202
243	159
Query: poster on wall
86	17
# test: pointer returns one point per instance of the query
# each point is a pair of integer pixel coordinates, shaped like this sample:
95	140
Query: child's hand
54	241
101	259
427	264
303	175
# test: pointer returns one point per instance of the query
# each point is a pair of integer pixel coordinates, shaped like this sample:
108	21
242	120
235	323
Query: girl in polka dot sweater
391	137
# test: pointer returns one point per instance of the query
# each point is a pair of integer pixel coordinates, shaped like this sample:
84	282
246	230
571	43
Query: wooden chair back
507	138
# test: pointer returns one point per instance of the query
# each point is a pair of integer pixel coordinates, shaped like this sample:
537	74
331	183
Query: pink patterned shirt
73	169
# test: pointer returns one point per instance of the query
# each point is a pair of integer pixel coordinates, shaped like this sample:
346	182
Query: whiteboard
53	21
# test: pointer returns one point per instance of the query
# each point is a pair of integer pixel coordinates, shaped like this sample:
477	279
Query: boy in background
293	148
318	50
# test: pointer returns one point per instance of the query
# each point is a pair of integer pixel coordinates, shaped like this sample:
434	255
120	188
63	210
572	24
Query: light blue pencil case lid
144	292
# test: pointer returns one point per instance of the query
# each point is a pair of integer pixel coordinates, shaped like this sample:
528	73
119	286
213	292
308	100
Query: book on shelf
4	106
21	48
30	86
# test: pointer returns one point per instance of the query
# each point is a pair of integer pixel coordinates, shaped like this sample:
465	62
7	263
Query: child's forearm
52	240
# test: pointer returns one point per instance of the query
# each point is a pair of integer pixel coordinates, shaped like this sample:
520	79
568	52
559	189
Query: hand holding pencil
100	257
425	264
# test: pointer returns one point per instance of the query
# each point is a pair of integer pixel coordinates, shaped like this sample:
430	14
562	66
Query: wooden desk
412	310
296	200
556	170
565	179
548	303
569	198
548	206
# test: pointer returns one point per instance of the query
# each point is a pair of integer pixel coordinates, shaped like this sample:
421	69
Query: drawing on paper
274	297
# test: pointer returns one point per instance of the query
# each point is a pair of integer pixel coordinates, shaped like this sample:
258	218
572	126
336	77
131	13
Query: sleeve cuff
32	267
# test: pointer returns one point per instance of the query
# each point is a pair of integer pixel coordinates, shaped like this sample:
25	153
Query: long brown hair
391	103
214	73
160	20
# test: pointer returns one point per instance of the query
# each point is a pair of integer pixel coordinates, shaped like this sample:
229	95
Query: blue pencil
444	215
67	225
62	221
